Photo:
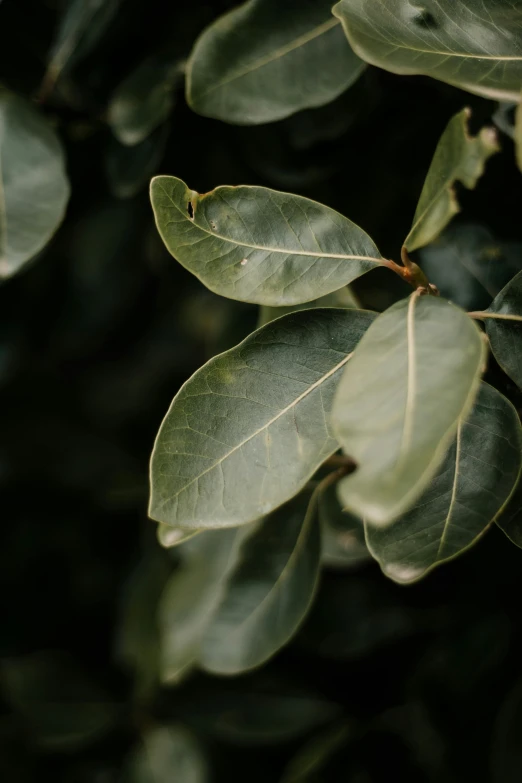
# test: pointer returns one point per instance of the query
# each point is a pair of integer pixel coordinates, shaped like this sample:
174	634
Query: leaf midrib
265	426
453	500
272	249
276	55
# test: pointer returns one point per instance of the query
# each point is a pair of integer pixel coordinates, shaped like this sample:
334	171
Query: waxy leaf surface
503	321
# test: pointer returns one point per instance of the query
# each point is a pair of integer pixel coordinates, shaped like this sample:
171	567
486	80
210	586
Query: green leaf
268	593
250	428
260	245
342	298
342	535
63	709
313	756
474	45
518	135
510	520
475	481
34	189
81	27
458	157
503	321
268	59
191	596
144	100
129	169
169	536
414	374
166	755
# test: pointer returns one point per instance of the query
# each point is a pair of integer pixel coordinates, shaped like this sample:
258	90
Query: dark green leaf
260	245
518	135
129	169
34	189
61	706
503	320
342	298
458	157
474	45
144	100
506	754
311	759
191	597
413	375
268	59
342	534
475	481
167	755
510	520
268	593
249	429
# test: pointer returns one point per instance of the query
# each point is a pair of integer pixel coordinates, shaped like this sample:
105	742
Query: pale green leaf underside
458	157
248	430
503	321
413	375
265	60
268	592
34	189
473	44
473	484
260	245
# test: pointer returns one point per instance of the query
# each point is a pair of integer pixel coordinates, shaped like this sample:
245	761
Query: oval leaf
260	245
268	59
144	100
268	593
503	320
191	597
474	45
473	484
458	157
414	374
510	521
249	429
34	189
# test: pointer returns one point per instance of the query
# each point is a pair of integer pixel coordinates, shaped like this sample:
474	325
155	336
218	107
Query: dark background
96	336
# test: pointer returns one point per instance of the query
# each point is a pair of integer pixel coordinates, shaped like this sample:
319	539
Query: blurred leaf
280	249
82	25
463	499
506	752
413	375
504	118
253	417
342	535
250	717
170	537
268	592
129	169
137	638
62	708
310	759
517	137
503	321
167	755
34	189
469	266
144	100
474	47
268	59
191	597
342	298
459	157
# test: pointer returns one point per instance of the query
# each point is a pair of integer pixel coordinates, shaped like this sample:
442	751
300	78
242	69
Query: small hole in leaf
425	19
190	210
213	225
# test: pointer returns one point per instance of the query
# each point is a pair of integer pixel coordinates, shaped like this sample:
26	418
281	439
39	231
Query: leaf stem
480	315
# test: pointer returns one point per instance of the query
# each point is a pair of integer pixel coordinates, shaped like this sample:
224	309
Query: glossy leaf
510	520
459	157
260	245
249	429
268	59
342	298
191	597
414	374
474	45
165	755
503	321
269	591
62	708
34	189
144	100
475	481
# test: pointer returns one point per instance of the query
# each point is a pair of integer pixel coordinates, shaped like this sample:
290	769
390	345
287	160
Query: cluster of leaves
330	437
